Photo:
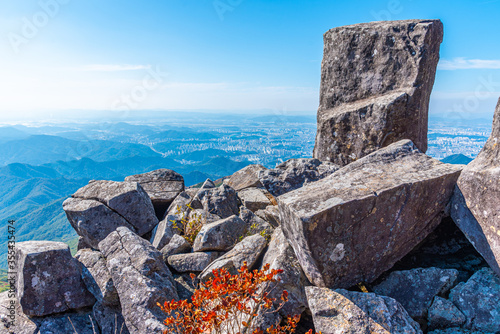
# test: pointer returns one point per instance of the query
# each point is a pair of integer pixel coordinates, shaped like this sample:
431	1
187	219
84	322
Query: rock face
479	300
476	202
49	279
342	311
444	314
254	199
294	173
162	186
357	223
246	178
141	278
192	262
376	80
109	319
222	201
220	236
177	245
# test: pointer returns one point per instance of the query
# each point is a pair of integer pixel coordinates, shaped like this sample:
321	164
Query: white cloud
113	67
468	64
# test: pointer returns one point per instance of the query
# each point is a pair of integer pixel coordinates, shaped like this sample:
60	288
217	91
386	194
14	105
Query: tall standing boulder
357	223
376	80
476	202
162	186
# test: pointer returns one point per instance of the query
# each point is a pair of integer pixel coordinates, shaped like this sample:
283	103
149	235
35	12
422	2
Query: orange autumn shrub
228	304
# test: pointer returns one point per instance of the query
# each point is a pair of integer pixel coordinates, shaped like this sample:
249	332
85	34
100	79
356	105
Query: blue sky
233	55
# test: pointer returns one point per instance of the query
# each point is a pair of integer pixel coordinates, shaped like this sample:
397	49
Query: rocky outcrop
342	311
219	236
221	201
254	199
49	279
162	186
376	80
355	224
192	262
476	202
247	177
295	173
141	278
177	245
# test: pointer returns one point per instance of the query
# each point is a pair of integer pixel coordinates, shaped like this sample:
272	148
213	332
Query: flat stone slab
357	223
246	177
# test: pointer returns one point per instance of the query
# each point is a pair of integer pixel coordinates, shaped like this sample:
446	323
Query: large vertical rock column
376	80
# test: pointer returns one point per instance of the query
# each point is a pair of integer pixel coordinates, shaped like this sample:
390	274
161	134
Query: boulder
141	278
221	201
219	236
247	177
376	80
49	279
254	198
162	186
82	244
271	214
96	276
479	300
248	250
203	216
295	173
185	285
357	223
476	202
192	262
255	224
342	311
109	319
444	314
415	289
177	245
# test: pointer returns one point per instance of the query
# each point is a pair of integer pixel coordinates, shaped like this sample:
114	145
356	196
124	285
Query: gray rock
254	198
208	184
162	186
221	201
12	320
109	319
203	216
476	202
415	289
246	178
220	236
271	214
479	300
141	278
192	262
96	276
456	330
443	314
49	279
295	173
248	250
82	244
357	223
67	323
92	220
376	80
255	224
185	285
177	245
342	311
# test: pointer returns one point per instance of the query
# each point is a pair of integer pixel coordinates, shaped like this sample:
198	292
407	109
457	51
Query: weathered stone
92	220
219	236
128	199
246	178
162	186
83	322
82	244
185	285
342	311
49	279
255	224
443	314
192	262
248	250
12	320
376	80
208	184
456	330
415	289
96	276
295	173
221	201
357	223
203	216
271	214
141	278
254	198
479	300
476	202
109	319
177	245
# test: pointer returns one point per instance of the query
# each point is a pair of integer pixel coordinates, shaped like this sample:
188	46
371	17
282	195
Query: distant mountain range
457	159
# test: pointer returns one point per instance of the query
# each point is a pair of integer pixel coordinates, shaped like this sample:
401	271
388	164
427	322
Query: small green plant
190	224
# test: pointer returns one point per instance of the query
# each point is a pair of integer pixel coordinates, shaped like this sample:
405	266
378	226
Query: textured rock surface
219	236
96	276
141	278
192	262
49	279
476	202
444	314
177	245
479	300
415	289
162	186
221	201
357	223
249	250
294	173
271	214
254	198
342	311
246	177
376	80
254	223
109	319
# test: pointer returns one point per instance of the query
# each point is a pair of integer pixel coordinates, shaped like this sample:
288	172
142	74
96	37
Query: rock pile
362	232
